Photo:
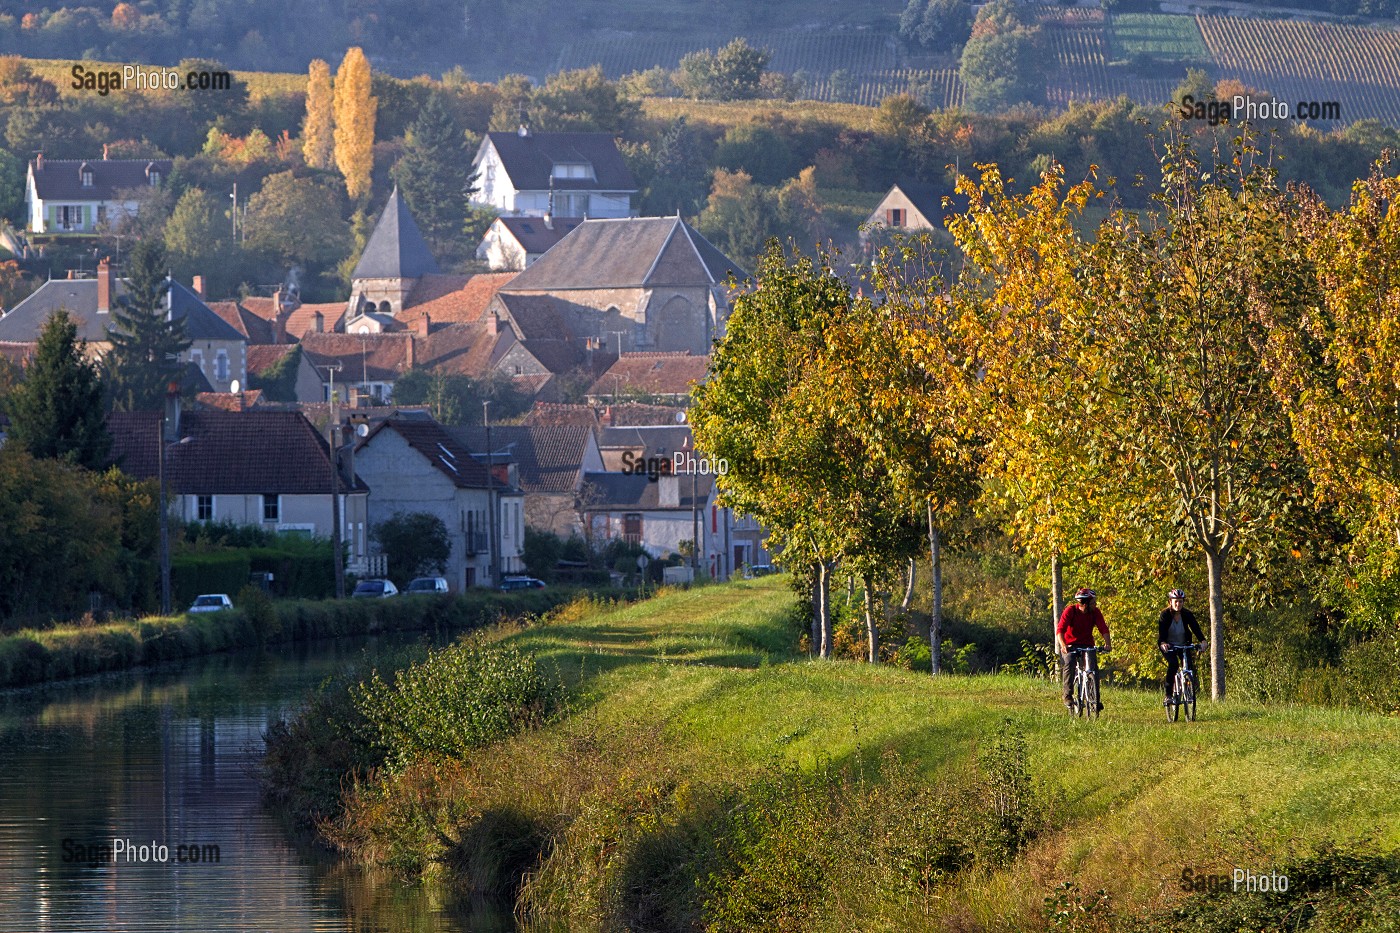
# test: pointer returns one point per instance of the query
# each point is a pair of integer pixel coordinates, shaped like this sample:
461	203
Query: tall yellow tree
354	123
317	139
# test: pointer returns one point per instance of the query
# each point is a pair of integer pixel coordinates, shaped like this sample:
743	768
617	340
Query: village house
563	175
548	463
87	195
512	243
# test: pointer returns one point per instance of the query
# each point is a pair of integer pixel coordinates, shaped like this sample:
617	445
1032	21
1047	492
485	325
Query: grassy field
1161	36
700	688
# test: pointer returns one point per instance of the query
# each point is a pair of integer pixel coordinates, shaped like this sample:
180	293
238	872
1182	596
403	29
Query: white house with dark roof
639	283
216	348
512	243
84	195
560	174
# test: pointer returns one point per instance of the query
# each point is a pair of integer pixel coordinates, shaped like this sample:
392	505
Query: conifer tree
145	344
354	123
433	171
57	411
317	132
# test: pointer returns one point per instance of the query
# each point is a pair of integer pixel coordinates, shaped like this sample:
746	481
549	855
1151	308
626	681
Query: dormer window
152	174
85	173
573	170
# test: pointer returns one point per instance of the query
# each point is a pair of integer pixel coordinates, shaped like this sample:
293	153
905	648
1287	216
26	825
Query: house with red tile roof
657	376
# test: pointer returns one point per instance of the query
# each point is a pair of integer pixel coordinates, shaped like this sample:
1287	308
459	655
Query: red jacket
1076	625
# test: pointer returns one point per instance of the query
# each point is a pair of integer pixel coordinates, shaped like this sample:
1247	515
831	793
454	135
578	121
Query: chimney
424	323
38	162
607	418
105	282
669	495
318	323
197	283
493	324
104	152
410	356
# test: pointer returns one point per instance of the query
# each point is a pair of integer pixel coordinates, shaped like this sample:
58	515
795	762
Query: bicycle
1084	695
1184	685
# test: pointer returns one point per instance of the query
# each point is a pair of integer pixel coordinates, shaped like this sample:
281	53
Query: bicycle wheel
1174	699
1091	697
1074	704
1188	698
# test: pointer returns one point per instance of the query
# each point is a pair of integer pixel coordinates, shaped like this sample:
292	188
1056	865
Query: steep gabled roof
62	180
548	459
530	160
362	357
227	452
463	349
452	299
629	252
79	296
445	452
396	249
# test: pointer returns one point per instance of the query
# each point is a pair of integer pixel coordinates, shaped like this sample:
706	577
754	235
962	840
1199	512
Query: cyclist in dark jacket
1176	626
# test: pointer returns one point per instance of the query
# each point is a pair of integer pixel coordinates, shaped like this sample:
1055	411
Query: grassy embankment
693	692
32	656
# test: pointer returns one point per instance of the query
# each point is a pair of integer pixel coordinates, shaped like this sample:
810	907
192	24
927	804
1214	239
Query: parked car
374	589
427	585
211	602
521	583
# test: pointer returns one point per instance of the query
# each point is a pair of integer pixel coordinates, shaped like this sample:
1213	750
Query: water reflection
166	758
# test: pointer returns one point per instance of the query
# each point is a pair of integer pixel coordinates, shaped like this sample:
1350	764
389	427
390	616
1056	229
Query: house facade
415	465
549	465
87	195
557	174
512	243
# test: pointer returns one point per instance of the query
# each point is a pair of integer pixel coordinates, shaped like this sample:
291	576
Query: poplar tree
57	411
317	133
146	341
354	123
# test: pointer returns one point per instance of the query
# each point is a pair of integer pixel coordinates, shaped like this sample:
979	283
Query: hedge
30	657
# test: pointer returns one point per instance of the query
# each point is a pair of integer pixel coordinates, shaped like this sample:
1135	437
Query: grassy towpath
709	677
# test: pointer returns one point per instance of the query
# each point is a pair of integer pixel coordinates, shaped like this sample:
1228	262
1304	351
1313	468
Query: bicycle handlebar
1072	649
1200	647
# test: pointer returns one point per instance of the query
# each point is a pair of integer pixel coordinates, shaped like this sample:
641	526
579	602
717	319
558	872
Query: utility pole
494	513
336	554
235	212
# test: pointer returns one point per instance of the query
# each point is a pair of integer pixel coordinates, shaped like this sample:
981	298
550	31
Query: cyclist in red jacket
1076	630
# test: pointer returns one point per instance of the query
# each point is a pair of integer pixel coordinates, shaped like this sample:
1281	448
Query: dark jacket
1164	622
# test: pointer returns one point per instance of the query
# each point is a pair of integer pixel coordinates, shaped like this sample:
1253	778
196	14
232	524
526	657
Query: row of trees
1203	394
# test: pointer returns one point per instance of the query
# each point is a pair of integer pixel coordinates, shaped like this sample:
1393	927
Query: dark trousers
1067	662
1173	665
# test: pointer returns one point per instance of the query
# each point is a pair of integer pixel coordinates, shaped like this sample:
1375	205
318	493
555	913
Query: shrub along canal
159	768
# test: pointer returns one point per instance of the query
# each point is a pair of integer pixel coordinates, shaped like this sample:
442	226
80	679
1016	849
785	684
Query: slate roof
440	448
396	249
452	299
61	179
533	235
258	452
529	160
628	252
614	492
927	198
655	373
548	460
363	358
650	441
24	322
539	317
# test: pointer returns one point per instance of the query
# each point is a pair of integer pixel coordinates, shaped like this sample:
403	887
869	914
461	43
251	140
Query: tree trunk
871	630
1215	574
816	625
850	589
935	618
909	589
1057	600
824	610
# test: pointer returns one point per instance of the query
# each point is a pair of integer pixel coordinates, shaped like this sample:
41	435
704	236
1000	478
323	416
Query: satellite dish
680	417
234	387
362	429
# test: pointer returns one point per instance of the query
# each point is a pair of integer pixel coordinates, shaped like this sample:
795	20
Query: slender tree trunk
1057	601
1215	575
935	619
909	588
871	629
816	624
850	589
824	612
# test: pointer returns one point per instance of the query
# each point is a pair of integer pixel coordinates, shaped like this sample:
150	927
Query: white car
211	602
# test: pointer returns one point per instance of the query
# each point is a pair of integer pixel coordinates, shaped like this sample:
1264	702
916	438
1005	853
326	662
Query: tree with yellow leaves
317	132
354	123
